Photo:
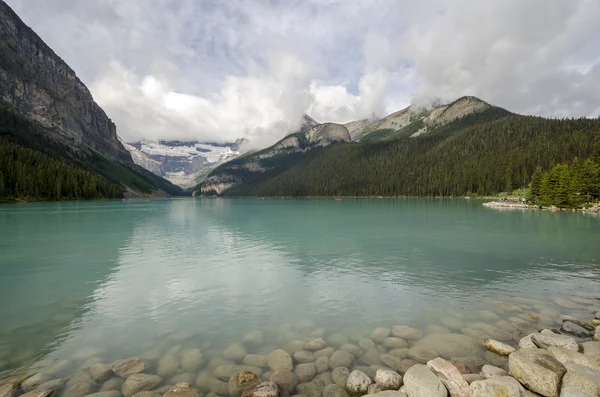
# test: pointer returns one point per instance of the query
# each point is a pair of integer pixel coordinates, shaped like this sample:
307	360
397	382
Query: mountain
182	162
466	147
44	107
257	165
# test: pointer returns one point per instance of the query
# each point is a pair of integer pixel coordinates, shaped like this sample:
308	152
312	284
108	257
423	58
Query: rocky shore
509	205
521	348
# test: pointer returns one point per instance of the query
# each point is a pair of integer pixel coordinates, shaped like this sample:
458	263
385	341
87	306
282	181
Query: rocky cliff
41	86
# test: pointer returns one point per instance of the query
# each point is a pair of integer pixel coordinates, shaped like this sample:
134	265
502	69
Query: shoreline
521	206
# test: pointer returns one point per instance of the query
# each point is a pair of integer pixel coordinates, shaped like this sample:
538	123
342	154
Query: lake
90	282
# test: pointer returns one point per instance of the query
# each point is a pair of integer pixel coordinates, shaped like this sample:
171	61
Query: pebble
339	376
183	389
240	382
304	356
327	352
316	344
356	351
498	347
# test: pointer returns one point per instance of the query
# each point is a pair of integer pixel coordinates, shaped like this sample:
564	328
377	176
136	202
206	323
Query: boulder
489	371
582	378
34	381
224	372
537	370
77	390
366	344
129	366
357	383
388	379
191	360
79	377
54	384
45	393
451	345
101	372
422	354
575	329
527	343
406	333
400	353
182	389
113	393
498	347
393	362
337	340
334	390
240	382
566	356
470	378
420	381
312	389
235	353
456	385
356	351
304	356
339	376
392	342
327	352
379	334
280	360
112	384
286	380
139	382
498	386
340	358
322	364
8	389
572	392
256	360
315	344
546	340
305	372
371	357
254	339
264	389
218	386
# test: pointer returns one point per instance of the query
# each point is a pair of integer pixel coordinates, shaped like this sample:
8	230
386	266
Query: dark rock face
41	86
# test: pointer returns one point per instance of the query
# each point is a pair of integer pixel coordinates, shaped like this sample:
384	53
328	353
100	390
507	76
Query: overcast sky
217	70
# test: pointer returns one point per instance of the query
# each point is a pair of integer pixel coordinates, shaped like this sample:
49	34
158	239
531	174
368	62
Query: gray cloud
218	70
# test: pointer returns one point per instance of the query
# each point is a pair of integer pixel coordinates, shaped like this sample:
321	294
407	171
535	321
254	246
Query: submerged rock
451	345
8	389
340	358
453	380
113	384
54	384
420	381
34	381
256	360
574	329
224	372
566	356
315	344
334	390
499	386
78	390
489	371
379	334
129	366
305	372
498	347
285	379
101	372
191	360
264	389
304	356
182	389
538	370
546	340
45	393
280	360
139	382
339	376
406	333
254	339
357	383
234	353
240	382
389	380
392	342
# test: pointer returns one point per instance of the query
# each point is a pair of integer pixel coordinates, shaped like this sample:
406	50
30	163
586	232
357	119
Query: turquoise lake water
107	280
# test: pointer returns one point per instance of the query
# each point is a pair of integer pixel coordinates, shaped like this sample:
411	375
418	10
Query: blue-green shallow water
125	277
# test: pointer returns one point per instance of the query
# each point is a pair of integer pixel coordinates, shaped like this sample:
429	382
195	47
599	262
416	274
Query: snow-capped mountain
182	162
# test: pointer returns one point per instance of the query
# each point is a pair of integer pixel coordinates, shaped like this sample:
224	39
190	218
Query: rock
498	347
452	323
527	343
460	366
451	345
285	379
264	389
185	377
218	386
113	384
316	344
322	364
339	376
393	362
327	352
139	382
470	378
240	382
371	357
366	344
437	329
392	342
374	388
34	381
160	390
390	393
191	360
389	380
304	356
77	390
379	334
422	354
474	363
584	324
203	381
572	392
566	356
406	333
294	346
256	360
235	353
61	367
168	365
101	372
544	341
575	329
340	358
111	393
87	352
334	390
79	377
8	389
280	360
45	393
597	334
507	306
406	364
400	353
311	389
337	340
129	366
54	384
538	370
496	359
591	348
356	351
498	386
182	389
489	371
420	381
224	372
567	304
357	383
254	339
456	385
305	372
582	378
324	377
492	331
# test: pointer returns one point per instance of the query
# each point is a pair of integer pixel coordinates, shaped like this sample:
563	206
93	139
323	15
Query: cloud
217	71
